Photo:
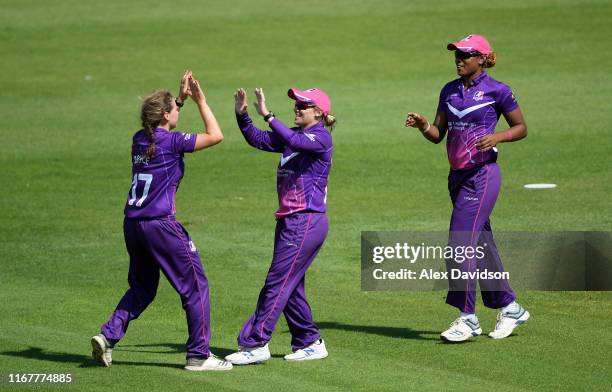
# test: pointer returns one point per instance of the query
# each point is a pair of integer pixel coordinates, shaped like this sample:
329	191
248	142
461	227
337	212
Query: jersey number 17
147	178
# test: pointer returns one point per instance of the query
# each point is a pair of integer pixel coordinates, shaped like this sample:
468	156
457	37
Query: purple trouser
163	244
473	193
297	241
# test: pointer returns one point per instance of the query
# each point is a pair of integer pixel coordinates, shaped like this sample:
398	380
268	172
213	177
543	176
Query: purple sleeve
183	142
313	141
505	100
442	100
263	140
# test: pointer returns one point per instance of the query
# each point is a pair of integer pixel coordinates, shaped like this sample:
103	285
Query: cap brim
298	95
460	47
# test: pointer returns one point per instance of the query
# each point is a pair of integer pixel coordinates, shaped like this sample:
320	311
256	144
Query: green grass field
70	77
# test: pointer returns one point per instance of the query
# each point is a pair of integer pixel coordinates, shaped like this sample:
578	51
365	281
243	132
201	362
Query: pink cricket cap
471	43
313	96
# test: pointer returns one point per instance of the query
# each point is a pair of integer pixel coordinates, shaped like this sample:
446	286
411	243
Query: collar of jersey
479	79
315	126
476	81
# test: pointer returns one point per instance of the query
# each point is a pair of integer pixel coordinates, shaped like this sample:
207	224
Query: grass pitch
71	75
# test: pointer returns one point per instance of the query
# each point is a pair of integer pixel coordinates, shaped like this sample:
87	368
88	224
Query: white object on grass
540	186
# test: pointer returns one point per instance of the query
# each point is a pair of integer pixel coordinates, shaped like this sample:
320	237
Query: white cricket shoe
102	351
246	355
461	330
316	350
506	322
211	363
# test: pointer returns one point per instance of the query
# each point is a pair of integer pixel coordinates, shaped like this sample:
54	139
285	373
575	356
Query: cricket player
301	226
469	109
155	240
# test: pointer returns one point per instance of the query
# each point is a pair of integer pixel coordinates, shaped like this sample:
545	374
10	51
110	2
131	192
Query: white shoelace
456	322
500	317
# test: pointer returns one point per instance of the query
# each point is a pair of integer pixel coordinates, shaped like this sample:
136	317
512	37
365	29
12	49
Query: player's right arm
434	132
260	139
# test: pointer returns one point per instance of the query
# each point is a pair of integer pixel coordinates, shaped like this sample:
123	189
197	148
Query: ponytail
151	136
330	121
489	60
152	112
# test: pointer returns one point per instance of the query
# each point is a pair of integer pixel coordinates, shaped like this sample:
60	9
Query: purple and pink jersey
304	164
473	113
156	180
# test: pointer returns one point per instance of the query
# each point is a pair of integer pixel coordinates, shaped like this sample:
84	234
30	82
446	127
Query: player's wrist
268	117
498	137
425	128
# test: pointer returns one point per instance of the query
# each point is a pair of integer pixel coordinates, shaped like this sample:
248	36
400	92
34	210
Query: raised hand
240	98
260	104
195	91
184	86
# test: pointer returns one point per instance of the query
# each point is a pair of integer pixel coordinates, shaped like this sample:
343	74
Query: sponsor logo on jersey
286	159
310	136
478	95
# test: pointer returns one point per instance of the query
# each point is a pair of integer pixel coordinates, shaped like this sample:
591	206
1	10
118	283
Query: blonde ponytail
329	121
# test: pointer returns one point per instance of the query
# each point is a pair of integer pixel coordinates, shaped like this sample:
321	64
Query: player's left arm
517	131
212	134
316	141
505	103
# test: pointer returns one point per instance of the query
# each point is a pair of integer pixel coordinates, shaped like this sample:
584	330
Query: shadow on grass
449	343
159	348
392	332
85	361
168	348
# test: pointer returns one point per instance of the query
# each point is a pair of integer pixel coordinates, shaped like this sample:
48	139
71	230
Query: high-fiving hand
240	98
260	104
195	91
184	86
